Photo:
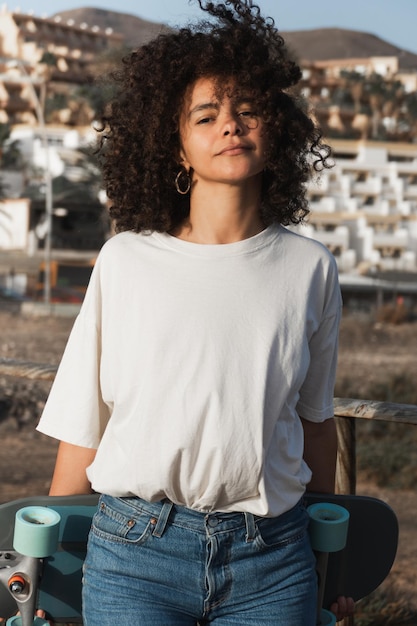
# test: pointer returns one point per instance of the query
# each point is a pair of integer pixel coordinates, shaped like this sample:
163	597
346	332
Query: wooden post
346	468
346	458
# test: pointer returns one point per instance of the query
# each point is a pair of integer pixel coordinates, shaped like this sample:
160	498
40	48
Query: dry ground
369	354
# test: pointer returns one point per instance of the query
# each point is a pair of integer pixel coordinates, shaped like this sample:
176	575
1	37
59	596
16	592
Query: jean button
212	521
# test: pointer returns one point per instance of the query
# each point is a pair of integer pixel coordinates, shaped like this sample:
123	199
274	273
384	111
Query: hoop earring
186	175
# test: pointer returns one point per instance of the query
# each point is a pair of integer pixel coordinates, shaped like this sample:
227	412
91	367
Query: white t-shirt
189	365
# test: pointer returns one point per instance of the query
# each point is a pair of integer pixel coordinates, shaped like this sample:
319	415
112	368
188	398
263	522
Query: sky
393	20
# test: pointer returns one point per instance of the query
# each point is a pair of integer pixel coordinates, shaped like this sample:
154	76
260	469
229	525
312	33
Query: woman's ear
183	160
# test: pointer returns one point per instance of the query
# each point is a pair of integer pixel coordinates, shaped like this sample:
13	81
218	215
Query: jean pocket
122	527
291	527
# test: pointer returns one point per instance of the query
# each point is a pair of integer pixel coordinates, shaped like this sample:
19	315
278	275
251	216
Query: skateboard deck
355	571
370	549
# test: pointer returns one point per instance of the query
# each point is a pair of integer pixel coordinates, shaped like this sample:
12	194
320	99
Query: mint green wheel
327	618
36	531
328	527
17	621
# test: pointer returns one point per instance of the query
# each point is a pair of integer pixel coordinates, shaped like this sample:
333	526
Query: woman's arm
320	452
70	476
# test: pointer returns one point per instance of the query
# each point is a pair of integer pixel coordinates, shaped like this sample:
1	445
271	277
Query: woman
196	390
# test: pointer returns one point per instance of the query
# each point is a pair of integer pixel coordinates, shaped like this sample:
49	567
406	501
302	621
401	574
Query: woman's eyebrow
245	100
203	107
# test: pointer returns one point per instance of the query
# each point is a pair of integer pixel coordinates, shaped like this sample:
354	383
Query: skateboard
354	568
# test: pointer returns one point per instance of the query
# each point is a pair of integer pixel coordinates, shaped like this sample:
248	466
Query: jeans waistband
166	512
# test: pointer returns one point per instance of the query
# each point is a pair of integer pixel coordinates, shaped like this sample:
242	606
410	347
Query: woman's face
222	141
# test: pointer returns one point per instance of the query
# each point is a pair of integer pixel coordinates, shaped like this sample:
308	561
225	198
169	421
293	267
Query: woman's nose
232	126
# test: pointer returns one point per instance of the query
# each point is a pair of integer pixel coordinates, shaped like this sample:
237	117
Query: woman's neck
221	215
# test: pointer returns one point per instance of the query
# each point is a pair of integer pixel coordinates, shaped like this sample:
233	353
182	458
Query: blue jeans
158	564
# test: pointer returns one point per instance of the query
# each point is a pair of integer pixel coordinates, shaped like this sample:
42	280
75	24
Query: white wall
14	224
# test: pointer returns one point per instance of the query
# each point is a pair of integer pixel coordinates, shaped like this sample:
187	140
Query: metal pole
47	179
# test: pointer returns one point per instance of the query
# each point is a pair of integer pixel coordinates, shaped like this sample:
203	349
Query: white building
61	142
364	209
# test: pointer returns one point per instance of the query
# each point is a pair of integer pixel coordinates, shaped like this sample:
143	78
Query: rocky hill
136	31
322	44
316	44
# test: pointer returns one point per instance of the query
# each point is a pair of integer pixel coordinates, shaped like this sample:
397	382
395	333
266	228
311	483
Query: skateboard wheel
17	621
328	526
327	618
36	531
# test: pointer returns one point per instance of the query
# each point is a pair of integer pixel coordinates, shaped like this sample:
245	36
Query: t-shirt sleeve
75	411
316	394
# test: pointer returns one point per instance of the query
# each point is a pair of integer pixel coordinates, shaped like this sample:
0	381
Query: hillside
322	44
316	44
136	31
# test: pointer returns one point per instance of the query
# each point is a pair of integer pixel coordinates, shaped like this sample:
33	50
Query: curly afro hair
140	142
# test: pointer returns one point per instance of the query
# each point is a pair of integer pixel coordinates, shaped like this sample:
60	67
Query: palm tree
410	102
354	83
375	98
377	93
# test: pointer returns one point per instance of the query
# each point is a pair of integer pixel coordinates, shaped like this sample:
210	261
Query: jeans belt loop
250	526
162	519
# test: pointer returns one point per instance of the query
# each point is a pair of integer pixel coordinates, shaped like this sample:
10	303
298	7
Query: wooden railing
346	410
27	369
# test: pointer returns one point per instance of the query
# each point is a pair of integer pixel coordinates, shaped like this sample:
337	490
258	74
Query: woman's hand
344	607
39	613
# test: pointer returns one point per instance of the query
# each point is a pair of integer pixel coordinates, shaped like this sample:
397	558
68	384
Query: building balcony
326	204
334	239
392	241
370	187
410	191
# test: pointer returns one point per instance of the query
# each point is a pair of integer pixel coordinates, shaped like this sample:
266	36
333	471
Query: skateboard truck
328	533
35	538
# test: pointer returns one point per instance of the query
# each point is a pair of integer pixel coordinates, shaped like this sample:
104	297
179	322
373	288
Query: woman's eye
247	113
250	118
205	120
